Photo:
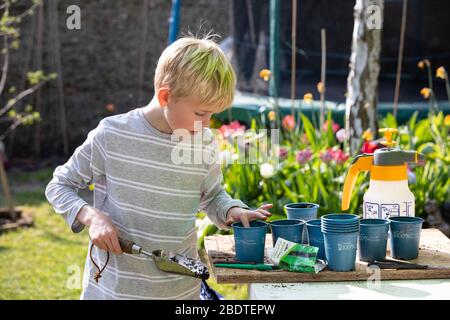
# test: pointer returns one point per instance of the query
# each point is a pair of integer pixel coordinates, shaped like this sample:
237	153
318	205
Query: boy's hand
101	229
237	214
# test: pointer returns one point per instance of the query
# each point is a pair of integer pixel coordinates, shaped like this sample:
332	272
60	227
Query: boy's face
182	113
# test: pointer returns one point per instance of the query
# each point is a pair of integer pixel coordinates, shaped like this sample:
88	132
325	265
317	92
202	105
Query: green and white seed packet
296	257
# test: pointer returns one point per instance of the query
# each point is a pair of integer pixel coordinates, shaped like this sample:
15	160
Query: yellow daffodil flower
265	74
423	63
272	116
447	120
367	135
441	73
320	87
308	97
425	92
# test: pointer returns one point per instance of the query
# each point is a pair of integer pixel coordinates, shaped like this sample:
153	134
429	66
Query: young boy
141	193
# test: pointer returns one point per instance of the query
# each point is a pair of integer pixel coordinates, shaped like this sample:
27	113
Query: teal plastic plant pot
288	229
340	250
405	237
340	219
372	241
250	242
315	237
302	211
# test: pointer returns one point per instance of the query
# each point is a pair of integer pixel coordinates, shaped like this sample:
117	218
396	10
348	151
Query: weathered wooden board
434	251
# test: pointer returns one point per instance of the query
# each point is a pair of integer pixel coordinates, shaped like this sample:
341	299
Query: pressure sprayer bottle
388	194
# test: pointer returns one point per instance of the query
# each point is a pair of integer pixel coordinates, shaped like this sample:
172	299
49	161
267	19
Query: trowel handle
128	246
362	162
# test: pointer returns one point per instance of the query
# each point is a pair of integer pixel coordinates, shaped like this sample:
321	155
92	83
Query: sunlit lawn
39	262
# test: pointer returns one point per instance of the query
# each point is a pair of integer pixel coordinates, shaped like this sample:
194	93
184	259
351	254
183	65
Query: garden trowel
168	261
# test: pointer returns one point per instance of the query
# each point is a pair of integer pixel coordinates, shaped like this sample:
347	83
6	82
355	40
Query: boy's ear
163	95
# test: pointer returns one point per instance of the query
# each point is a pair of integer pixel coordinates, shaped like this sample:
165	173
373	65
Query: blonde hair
197	66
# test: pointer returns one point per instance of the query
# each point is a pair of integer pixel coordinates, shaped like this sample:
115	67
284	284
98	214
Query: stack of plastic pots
340	235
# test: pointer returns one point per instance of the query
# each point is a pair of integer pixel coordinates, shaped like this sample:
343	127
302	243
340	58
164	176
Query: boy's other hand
101	229
238	214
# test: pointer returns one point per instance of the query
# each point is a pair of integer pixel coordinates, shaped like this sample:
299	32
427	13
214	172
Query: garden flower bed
312	161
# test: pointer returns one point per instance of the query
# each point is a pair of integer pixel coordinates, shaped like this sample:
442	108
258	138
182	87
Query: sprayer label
390	210
381	211
408	209
371	210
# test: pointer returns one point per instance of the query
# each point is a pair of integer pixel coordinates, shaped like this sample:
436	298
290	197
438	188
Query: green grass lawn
42	262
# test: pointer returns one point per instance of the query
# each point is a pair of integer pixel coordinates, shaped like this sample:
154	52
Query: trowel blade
177	263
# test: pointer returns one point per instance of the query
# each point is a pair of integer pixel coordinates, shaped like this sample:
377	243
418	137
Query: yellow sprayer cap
388	133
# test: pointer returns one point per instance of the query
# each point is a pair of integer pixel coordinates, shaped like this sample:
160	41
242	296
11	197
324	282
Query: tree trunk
142	51
362	82
6	190
38	66
57	68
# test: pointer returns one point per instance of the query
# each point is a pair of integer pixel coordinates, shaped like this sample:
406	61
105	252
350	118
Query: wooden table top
434	251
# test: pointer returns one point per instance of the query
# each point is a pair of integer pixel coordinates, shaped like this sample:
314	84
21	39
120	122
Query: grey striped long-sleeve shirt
150	198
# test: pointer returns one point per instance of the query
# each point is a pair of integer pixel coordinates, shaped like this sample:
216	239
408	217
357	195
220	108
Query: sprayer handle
362	162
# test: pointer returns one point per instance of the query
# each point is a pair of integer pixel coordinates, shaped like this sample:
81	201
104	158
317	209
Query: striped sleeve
215	201
87	162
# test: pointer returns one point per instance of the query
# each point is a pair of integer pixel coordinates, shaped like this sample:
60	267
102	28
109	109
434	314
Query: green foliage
35	77
10	34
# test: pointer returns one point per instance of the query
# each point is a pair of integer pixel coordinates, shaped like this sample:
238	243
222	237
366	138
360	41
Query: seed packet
295	257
